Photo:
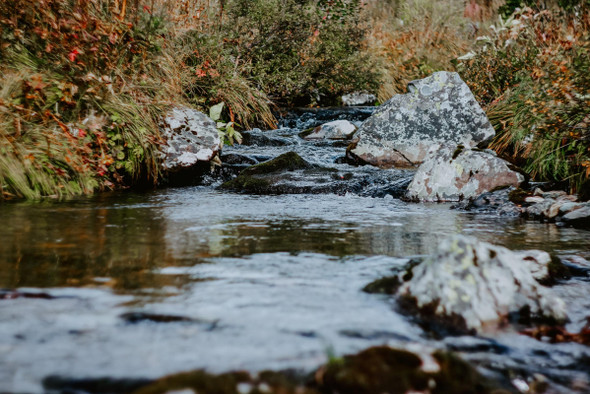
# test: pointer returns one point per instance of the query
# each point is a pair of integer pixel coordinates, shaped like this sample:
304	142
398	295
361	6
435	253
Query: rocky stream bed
111	293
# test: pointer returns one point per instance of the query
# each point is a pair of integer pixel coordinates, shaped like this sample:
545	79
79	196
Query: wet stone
497	202
336	130
579	218
138	317
451	175
481	284
291	174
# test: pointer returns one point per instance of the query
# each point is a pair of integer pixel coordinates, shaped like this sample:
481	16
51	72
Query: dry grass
414	38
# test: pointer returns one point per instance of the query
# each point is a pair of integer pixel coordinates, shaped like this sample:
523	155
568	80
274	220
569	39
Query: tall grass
531	74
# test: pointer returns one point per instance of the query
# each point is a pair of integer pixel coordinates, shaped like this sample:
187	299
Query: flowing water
129	285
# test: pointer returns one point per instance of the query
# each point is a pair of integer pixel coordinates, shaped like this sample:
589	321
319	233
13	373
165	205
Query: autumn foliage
531	75
78	80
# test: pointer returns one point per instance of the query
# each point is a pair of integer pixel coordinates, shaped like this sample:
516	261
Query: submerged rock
191	137
497	201
290	174
453	174
437	111
481	284
336	130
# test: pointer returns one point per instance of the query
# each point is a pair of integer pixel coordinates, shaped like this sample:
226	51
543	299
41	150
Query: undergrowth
531	75
80	99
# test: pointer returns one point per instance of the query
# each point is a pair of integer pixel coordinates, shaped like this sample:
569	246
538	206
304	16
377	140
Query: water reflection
81	243
120	240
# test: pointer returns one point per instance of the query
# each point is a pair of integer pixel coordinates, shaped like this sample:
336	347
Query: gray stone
569	207
450	174
190	136
534	200
439	110
539	209
553	210
578	218
553	194
482	283
358	98
496	201
336	130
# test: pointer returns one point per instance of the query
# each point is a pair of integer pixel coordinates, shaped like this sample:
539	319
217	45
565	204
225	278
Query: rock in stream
481	284
437	111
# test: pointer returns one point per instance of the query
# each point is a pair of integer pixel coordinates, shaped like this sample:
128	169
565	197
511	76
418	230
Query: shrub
300	51
83	86
532	77
215	76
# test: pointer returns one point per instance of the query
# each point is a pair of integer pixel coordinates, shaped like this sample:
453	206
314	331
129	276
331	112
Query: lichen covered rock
452	174
437	111
481	284
190	137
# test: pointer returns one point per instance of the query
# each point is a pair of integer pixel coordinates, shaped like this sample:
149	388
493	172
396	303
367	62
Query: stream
141	285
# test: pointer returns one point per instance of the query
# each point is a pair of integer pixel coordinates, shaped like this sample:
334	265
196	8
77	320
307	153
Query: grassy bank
83	83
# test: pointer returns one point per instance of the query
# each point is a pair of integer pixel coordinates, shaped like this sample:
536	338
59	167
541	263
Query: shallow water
259	282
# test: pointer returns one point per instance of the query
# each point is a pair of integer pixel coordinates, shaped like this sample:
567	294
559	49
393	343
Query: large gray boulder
190	137
482	283
437	111
453	174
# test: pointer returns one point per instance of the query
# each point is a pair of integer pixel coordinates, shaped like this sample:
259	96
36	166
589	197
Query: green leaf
215	111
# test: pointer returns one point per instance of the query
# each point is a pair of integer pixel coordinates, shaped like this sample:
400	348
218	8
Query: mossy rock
386	285
255	179
373	371
290	174
387	370
289	161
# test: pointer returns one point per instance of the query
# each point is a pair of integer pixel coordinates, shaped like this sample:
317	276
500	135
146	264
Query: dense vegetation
83	83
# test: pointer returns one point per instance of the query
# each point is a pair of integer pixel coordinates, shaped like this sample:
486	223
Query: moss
387	285
289	161
518	196
387	370
457	376
557	271
307	132
409	274
200	381
372	371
